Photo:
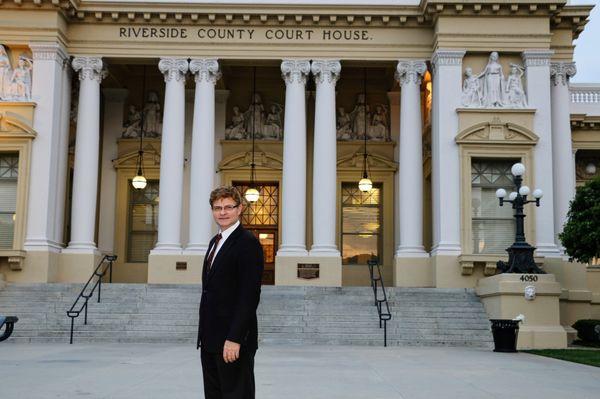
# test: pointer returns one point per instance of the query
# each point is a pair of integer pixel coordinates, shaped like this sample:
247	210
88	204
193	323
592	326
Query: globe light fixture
365	184
512	196
517	169
500	193
591	169
139	181
252	195
538	194
524	190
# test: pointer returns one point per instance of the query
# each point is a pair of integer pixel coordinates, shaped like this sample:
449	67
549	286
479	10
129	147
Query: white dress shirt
224	235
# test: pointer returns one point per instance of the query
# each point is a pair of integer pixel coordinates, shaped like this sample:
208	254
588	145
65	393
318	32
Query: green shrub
588	330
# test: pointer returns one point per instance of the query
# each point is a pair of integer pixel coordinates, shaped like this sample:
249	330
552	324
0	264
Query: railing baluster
375	282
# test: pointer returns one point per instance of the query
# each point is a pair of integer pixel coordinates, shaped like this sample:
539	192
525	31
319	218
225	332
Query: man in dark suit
231	278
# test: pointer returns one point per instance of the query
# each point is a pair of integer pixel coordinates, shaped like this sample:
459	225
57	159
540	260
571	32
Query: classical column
171	156
63	152
293	204
410	174
206	73
445	162
562	148
326	74
537	76
47	93
87	152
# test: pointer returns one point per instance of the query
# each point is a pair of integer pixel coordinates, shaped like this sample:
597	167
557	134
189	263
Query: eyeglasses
227	208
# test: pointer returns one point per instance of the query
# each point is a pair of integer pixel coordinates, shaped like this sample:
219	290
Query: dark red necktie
212	252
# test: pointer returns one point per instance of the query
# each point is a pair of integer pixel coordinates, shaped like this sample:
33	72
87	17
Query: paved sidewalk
31	371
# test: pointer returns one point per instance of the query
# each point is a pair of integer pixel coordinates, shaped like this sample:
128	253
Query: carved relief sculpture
152	116
5	73
351	125
15	85
266	127
489	89
132	128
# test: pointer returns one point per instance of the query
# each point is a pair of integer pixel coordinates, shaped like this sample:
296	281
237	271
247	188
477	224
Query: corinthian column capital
295	71
326	70
205	70
410	71
561	72
173	68
89	68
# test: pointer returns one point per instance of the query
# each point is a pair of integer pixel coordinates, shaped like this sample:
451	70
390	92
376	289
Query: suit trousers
228	380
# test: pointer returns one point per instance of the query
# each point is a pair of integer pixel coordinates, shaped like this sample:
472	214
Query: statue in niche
20	80
132	127
273	126
379	129
236	130
152	116
254	117
515	95
493	82
359	116
471	94
5	73
344	125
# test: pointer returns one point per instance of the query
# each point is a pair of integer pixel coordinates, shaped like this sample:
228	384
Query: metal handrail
87	292
380	301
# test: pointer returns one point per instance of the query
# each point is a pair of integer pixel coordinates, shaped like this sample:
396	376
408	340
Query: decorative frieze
205	69
173	68
326	70
561	72
89	68
295	71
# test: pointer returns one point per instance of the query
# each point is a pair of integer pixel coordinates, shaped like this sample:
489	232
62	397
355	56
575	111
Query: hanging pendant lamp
252	193
365	184
139	181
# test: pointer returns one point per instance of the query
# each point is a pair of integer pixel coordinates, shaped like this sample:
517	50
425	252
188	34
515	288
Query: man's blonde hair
225	192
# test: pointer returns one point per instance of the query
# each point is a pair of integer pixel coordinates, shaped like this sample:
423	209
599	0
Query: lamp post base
520	260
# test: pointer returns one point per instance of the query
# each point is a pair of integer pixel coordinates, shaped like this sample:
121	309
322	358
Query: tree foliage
581	232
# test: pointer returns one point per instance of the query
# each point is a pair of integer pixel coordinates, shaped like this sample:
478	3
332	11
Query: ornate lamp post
520	253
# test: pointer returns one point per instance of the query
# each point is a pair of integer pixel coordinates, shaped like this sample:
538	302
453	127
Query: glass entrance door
262	218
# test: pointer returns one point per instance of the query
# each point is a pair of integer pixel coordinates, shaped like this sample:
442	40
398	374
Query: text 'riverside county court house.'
433	100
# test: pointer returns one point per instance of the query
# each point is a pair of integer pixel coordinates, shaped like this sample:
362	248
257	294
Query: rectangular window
493	226
9	173
143	222
361	224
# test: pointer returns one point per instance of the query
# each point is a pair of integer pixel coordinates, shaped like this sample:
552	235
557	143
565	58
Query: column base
77	266
80	247
412	271
195	249
503	298
324	250
166	249
330	270
175	268
292	250
548	250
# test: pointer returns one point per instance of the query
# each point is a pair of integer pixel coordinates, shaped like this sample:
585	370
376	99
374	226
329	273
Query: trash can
505	333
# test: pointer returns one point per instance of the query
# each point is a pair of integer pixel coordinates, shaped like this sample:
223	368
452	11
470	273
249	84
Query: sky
587	47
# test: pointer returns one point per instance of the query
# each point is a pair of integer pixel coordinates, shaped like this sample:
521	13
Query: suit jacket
231	293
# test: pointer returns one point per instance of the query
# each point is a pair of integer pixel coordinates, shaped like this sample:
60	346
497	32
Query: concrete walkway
31	371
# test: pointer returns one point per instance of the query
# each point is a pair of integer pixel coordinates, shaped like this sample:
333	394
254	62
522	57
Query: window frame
129	221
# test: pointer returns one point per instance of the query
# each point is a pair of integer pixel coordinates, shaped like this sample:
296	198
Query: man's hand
231	351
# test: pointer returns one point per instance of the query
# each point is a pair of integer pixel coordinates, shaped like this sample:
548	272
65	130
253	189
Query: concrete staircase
287	315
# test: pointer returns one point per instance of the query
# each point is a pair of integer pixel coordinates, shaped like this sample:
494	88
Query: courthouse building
440	97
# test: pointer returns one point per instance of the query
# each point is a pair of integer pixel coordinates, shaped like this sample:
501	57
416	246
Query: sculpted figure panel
489	89
352	125
152	119
15	84
266	125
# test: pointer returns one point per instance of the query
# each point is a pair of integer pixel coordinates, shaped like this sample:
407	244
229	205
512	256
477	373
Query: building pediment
262	160
15	125
497	132
129	159
375	162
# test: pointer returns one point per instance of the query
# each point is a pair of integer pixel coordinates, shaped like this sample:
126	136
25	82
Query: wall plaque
180	265
308	271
